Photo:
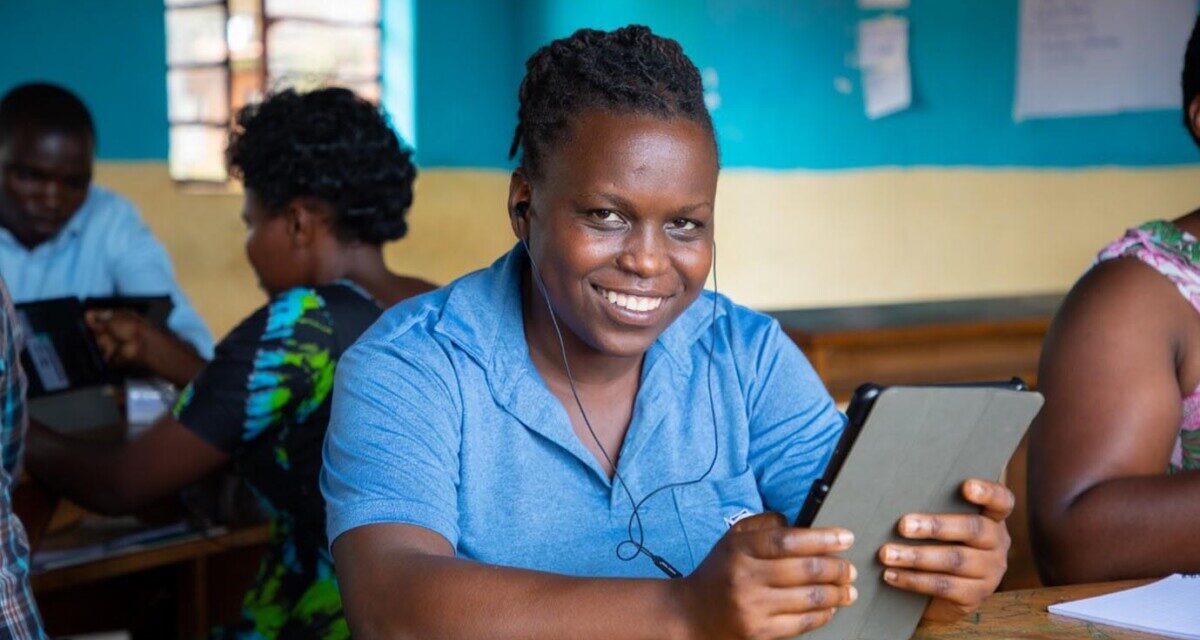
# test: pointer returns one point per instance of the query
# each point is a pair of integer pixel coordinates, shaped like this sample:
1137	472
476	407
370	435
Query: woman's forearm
1137	527
88	473
429	596
172	359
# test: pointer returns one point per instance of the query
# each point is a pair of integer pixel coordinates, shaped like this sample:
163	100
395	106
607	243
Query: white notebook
1169	607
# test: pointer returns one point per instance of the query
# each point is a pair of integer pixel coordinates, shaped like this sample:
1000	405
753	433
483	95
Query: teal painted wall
468	66
776	61
110	52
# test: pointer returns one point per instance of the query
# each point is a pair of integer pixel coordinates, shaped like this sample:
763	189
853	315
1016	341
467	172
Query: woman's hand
960	575
129	341
765	579
123	336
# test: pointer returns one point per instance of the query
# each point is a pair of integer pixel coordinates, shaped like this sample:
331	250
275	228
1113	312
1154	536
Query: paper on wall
883	4
1081	57
883	59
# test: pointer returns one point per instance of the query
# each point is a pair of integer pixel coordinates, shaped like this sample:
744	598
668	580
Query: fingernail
889	575
890	554
975	489
912	526
845	538
851	593
853	573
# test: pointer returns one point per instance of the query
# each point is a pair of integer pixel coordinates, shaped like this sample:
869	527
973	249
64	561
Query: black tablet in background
70	388
60	352
155	309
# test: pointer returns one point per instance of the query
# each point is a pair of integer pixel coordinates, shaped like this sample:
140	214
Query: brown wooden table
922	342
1022	614
171	588
189	548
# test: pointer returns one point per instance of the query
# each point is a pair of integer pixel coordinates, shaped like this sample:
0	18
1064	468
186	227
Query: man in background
19	617
61	235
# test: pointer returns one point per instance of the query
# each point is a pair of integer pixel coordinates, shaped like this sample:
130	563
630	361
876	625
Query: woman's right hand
765	580
128	341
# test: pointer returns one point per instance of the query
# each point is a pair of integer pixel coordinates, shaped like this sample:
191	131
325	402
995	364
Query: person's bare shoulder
1124	295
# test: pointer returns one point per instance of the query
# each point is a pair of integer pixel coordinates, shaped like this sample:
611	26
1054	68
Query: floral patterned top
1175	254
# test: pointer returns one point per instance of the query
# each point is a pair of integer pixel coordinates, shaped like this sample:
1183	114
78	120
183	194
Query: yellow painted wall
786	239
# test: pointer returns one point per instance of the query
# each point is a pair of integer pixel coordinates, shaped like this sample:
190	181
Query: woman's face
270	247
620	223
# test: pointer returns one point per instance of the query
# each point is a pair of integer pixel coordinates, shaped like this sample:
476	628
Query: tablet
906	450
155	309
860	407
60	352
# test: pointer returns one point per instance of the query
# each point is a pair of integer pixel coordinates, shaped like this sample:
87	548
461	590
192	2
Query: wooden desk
958	340
191	548
1022	614
177	588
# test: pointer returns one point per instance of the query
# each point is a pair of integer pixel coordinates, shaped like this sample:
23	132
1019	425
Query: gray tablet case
916	447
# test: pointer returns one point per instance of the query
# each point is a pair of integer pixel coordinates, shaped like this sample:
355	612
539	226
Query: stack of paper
1169	607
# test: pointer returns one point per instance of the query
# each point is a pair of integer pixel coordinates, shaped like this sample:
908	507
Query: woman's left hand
961	574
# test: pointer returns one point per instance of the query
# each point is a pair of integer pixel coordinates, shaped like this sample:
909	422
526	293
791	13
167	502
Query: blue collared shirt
104	250
441	420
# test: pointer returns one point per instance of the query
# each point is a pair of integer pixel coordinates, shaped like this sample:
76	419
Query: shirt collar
74	226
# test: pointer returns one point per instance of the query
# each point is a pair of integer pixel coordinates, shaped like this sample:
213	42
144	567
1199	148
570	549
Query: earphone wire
635	517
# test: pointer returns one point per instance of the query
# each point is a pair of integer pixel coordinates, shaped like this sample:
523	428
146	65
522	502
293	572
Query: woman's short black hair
331	145
1191	77
630	70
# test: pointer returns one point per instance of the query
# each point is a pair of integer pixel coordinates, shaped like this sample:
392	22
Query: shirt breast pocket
707	509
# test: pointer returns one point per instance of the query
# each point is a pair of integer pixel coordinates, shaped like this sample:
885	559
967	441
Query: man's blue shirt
441	420
104	250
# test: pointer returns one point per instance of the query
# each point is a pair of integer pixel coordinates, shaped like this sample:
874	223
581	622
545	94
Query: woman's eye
683	224
606	215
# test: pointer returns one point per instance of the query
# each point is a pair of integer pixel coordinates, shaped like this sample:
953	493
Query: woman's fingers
809	570
794	624
977	531
774	543
955	559
964	592
811	598
996	499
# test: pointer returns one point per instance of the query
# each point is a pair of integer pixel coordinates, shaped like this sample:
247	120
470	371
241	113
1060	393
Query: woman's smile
641	309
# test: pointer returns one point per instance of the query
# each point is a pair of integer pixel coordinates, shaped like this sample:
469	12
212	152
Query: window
223	54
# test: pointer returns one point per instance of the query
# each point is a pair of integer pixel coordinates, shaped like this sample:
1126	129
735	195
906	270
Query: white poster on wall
1084	57
883	60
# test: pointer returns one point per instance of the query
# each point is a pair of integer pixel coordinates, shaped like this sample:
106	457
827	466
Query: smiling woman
541	436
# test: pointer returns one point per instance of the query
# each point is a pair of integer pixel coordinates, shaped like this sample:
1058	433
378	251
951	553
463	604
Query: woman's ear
519	196
1193	117
303	220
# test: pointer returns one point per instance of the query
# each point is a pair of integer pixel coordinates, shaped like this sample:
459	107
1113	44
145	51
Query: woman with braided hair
515	454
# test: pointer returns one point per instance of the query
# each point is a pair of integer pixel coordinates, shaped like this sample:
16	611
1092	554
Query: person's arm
120	478
763	580
142	266
793	429
1102	506
205	428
